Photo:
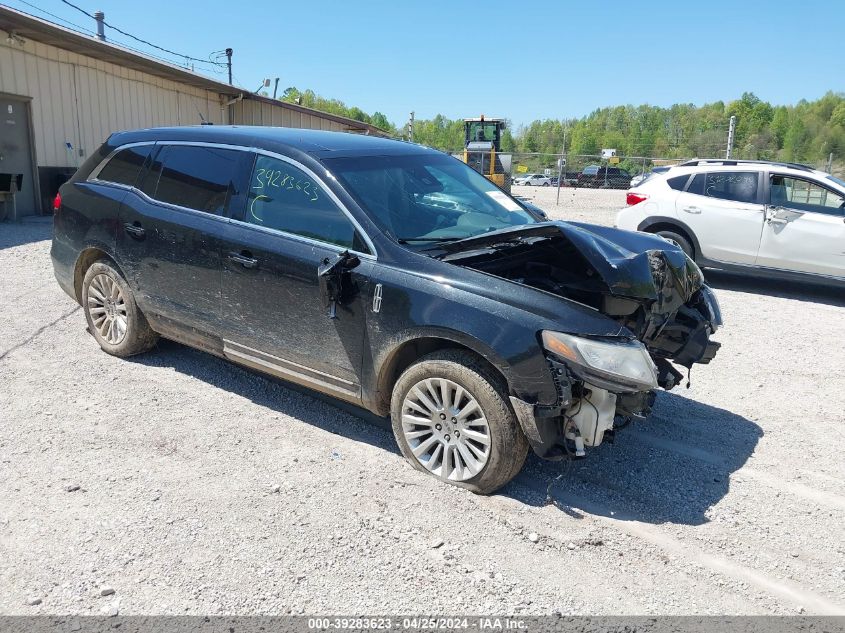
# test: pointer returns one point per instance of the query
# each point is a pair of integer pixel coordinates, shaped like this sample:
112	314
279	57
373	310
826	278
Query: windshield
481	131
423	198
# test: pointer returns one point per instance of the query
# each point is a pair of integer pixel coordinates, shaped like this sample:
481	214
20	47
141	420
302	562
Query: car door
276	305
170	228
725	212
805	227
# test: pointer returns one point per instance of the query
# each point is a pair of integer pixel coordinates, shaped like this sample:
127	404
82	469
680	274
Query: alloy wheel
107	308
446	429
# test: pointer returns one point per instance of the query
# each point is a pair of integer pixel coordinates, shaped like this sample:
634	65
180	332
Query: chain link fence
589	170
584	170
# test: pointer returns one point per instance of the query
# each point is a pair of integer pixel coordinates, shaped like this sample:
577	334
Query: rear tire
678	240
475	403
114	318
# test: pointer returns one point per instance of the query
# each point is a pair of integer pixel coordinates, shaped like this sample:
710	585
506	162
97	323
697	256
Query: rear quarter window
678	182
123	168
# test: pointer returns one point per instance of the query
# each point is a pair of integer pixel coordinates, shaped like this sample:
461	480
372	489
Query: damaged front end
649	287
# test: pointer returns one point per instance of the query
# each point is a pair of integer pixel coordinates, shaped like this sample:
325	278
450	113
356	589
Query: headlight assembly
614	365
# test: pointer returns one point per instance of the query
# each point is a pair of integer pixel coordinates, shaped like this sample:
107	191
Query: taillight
57	202
635	198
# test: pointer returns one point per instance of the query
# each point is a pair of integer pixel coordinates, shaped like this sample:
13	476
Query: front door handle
244	258
776	220
134	229
693	210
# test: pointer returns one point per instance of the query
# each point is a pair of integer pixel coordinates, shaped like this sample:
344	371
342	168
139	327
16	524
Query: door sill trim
289	370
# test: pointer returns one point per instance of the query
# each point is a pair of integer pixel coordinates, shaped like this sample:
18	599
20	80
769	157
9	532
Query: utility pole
411	127
830	163
561	168
276	88
229	63
731	131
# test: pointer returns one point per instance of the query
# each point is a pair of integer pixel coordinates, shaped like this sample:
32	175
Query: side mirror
331	276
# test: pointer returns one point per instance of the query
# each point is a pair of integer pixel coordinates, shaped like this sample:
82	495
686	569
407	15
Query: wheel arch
661	223
404	352
85	260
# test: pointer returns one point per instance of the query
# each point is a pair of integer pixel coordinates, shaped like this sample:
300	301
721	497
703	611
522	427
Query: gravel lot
178	483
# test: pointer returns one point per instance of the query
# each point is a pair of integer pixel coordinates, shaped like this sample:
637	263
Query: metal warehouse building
62	93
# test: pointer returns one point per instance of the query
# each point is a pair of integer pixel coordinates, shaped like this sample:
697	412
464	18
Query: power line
54	16
143	41
85	31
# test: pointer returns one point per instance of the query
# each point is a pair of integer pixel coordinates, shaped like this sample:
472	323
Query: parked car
385	274
763	218
534	180
604	177
641	178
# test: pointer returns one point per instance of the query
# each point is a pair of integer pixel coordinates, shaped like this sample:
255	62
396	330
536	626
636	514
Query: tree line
805	132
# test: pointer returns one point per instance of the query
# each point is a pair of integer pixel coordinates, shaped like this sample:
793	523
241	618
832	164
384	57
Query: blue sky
522	61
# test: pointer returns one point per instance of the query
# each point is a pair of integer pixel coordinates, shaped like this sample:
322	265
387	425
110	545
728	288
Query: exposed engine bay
646	285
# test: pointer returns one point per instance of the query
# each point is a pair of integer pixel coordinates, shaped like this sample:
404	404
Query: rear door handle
244	258
135	230
694	210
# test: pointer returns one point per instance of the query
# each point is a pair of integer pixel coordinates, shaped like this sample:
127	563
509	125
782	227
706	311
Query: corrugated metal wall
81	100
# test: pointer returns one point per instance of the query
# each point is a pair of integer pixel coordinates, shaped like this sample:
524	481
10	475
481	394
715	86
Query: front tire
113	317
451	419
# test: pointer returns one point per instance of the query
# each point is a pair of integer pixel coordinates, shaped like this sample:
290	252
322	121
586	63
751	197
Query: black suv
604	177
386	274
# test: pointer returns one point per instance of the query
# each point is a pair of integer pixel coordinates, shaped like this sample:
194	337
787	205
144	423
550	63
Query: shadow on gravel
798	291
29	230
308	406
671	468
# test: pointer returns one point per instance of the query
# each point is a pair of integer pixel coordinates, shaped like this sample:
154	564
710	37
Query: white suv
536	180
776	219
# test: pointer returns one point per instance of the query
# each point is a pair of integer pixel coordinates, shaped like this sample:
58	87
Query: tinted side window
124	167
678	182
805	196
285	198
739	186
697	184
201	178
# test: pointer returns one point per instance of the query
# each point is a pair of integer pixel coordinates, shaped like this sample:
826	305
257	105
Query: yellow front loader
482	150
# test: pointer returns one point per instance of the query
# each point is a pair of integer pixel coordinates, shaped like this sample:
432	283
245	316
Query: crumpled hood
631	264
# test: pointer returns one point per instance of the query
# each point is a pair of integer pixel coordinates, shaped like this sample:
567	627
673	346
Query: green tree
807	131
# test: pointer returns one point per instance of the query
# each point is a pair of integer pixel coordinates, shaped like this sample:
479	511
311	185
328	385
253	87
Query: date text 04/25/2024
418	623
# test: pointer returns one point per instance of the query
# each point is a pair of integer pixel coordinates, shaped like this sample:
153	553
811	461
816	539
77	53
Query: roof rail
739	161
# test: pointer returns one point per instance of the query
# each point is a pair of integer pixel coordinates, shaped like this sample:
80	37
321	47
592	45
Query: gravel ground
583	205
178	483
